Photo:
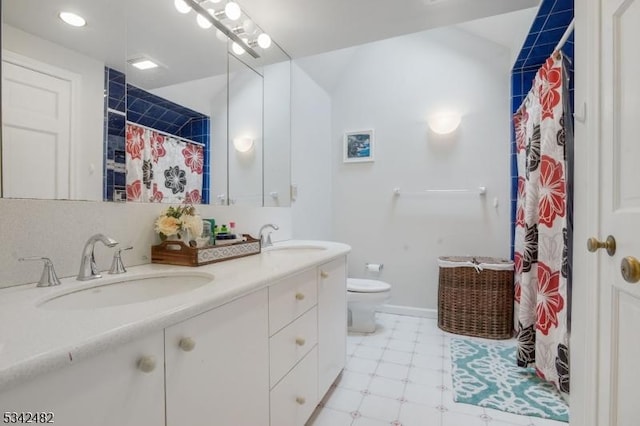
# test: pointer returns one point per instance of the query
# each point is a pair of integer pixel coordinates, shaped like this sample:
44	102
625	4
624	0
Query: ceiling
308	27
118	30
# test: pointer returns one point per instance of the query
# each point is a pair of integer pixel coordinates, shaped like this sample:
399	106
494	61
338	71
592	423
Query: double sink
143	288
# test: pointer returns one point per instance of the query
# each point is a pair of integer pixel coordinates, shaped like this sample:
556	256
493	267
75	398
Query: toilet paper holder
373	267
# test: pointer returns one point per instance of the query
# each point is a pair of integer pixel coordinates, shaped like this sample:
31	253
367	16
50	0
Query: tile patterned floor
400	376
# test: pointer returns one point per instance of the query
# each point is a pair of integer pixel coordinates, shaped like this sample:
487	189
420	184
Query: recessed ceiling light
72	19
143	64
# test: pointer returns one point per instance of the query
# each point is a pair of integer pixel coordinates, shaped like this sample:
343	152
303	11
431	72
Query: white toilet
363	297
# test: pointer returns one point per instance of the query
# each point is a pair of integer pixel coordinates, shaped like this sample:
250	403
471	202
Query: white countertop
34	340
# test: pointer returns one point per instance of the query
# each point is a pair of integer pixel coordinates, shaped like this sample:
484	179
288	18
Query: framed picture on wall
358	146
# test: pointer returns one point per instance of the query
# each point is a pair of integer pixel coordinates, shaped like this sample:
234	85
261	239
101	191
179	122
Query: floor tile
365	421
450	418
378	407
368	352
425	376
382	386
392	371
422	394
346	400
330	417
359	365
419	415
376	389
397	357
354	381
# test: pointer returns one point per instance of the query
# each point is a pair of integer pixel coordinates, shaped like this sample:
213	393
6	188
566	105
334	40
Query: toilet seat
359	285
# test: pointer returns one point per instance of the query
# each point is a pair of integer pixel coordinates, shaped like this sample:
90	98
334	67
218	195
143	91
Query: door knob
630	268
593	244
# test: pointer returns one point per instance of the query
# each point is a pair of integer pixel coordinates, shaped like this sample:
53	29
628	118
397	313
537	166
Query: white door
619	345
36	112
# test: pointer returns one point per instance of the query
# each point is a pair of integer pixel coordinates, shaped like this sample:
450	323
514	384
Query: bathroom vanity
255	341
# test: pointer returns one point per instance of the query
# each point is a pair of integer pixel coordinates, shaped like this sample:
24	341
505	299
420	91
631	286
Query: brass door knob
593	244
630	268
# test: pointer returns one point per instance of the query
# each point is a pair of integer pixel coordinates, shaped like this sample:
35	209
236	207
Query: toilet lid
366	286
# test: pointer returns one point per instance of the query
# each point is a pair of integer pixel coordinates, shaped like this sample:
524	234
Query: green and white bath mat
486	374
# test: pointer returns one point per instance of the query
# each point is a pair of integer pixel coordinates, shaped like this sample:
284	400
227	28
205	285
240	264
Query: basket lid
478	262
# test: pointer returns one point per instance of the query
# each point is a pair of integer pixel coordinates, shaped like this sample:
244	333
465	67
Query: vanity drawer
290	298
292	343
295	397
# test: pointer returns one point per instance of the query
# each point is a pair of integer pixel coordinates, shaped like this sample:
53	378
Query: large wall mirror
82	121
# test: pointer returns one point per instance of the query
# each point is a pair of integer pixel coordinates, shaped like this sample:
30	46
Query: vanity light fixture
232	10
72	19
264	40
245	34
181	6
203	22
444	123
237	49
243	144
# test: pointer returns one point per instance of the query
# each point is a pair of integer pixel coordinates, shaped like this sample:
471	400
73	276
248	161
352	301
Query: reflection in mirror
277	127
53	96
171	134
245	134
87	90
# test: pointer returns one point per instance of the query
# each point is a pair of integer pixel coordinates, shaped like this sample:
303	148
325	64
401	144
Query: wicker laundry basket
475	296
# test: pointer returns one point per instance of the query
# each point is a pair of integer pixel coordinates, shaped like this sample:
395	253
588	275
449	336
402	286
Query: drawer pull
187	344
324	274
299	296
300	341
300	400
147	364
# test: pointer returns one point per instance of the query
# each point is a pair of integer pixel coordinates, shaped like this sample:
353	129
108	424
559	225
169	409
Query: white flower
167	225
193	224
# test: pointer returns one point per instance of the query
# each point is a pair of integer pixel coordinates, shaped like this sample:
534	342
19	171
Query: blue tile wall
147	109
551	22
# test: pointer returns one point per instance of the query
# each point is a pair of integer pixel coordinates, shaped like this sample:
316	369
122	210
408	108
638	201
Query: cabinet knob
324	274
299	296
300	400
147	364
300	341
187	344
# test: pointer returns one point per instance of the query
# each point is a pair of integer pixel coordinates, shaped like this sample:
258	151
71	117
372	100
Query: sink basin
294	249
127	291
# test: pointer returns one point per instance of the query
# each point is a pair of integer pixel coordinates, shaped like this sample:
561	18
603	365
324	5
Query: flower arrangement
179	221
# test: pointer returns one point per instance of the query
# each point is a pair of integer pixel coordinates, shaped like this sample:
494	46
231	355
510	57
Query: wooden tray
178	253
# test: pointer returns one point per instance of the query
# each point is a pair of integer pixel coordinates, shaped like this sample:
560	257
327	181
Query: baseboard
408	310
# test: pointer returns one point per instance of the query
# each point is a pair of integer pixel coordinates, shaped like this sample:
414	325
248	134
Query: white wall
88	119
311	158
392	86
59	229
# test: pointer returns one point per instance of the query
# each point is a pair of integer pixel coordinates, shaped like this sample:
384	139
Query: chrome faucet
88	267
48	277
265	241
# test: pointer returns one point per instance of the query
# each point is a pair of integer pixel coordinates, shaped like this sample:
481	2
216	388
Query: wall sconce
444	123
243	144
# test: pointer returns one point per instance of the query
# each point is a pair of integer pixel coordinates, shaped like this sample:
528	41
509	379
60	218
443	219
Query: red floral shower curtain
162	169
543	226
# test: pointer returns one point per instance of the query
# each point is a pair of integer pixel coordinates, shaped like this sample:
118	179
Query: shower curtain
544	143
162	169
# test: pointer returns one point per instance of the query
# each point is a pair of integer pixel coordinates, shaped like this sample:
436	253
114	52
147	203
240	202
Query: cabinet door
107	390
217	366
332	322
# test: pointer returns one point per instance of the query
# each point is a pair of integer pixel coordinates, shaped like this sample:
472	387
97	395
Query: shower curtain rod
566	35
180	138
